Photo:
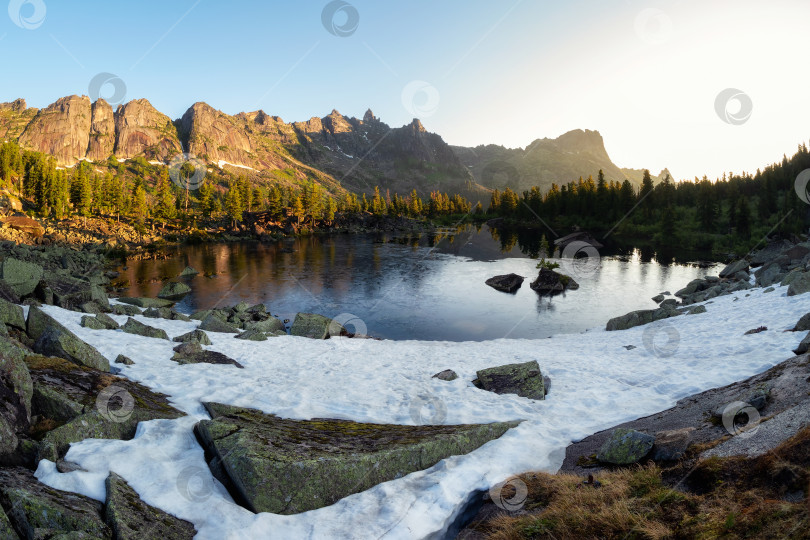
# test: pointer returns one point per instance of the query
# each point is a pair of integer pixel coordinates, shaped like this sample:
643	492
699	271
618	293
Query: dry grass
718	498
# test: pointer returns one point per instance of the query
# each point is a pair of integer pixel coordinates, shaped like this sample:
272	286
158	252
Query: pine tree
165	209
233	202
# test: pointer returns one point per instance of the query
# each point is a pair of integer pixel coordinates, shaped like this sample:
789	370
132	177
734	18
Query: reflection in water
427	286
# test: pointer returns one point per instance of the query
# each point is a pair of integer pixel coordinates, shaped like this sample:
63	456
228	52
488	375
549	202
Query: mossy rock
146	302
16	393
625	447
126	360
314	326
315	463
189	271
174	289
132	519
197	336
525	380
22	277
270	324
93	404
32	506
138	328
12	314
204	357
6	530
126	309
212	323
53	339
252	335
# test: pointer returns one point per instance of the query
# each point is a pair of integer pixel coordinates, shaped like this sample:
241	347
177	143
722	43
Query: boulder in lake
625	447
53	339
129	517
189	271
315	463
524	379
551	282
508	283
174	289
138	328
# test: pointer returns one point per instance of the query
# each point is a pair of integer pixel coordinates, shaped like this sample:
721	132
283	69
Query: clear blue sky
504	71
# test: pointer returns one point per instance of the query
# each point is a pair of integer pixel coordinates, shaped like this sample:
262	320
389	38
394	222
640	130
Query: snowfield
596	383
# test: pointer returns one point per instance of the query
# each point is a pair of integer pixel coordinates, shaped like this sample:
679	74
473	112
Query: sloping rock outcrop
53	339
314	463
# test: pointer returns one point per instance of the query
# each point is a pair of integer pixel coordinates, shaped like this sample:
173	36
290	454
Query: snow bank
596	383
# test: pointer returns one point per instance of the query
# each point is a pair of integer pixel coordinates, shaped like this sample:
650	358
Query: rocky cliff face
14	117
102	131
140	130
61	129
545	161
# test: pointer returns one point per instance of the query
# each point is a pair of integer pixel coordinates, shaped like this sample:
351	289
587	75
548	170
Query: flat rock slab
78	403
508	283
205	357
766	435
525	380
146	302
138	328
53	339
289	466
132	519
32	505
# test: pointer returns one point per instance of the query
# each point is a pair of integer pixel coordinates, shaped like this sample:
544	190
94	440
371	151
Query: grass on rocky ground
765	497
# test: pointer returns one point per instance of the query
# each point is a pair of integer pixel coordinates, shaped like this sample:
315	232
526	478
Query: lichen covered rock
625	446
524	379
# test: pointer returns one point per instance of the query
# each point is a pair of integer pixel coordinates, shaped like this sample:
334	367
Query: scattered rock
315	463
252	335
658	299
12	315
16	393
671	445
91	322
53	339
641	317
188	271
508	283
804	346
525	380
314	326
270	324
23	277
138	328
800	284
125	309
205	357
625	447
197	336
130	518
446	375
756	330
733	268
803	324
212	323
174	289
697	310
126	360
146	302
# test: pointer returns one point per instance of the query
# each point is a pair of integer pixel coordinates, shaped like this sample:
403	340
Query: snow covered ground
596	383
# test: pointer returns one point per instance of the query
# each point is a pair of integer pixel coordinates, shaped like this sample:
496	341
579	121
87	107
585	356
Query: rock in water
130	517
506	283
524	380
189	271
625	446
174	289
551	282
315	463
138	328
34	507
53	339
23	277
314	326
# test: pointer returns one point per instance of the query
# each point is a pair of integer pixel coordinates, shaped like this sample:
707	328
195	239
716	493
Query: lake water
426	287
